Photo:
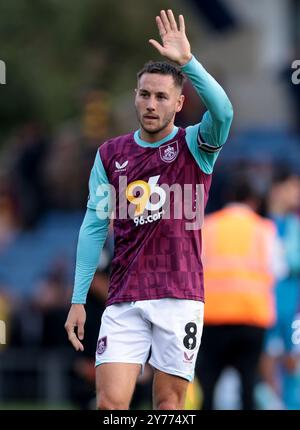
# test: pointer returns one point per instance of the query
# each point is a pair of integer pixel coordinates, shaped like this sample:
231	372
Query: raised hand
175	45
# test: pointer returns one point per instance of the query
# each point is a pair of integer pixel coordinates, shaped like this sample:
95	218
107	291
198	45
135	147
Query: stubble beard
158	129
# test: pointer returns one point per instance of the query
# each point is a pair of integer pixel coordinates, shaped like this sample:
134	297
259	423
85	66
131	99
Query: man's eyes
159	96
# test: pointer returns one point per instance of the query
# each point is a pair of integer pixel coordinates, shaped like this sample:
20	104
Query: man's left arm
206	139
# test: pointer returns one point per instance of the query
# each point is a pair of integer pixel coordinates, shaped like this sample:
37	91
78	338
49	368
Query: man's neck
155	137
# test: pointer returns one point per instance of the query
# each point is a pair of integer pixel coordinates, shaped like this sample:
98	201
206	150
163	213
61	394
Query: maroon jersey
154	257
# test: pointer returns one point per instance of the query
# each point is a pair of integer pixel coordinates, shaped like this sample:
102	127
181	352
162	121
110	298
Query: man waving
154	308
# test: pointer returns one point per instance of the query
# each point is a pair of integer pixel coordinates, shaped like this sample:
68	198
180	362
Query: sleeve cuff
189	65
78	302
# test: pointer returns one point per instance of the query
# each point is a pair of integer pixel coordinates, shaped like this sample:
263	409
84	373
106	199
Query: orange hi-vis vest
237	255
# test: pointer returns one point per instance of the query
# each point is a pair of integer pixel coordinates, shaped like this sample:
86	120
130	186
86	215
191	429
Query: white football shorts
165	332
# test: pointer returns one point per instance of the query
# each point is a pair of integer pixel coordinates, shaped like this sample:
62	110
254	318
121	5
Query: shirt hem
136	299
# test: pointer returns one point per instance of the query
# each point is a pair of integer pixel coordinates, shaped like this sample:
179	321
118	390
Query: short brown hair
163	68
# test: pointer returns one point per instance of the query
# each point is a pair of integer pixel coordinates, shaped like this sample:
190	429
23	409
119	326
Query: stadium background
70	74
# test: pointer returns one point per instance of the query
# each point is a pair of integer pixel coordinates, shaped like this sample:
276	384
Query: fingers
181	24
80	331
160	26
172	21
165	20
73	338
75	342
157	45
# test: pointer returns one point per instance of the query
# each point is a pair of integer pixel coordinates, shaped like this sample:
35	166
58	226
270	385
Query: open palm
175	45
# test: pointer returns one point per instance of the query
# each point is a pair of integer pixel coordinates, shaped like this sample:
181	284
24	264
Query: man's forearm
91	240
211	93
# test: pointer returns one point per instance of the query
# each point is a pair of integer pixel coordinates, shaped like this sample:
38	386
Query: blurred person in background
64	180
149	285
50	303
37	319
281	361
9	216
241	256
27	179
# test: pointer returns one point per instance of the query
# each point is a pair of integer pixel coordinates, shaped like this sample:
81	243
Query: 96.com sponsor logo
149	219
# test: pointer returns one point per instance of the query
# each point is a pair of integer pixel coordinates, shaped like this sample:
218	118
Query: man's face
157	101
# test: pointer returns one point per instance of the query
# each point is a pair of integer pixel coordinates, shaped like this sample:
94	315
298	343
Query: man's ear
180	103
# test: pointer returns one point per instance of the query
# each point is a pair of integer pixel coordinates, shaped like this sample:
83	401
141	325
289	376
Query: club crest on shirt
101	345
169	152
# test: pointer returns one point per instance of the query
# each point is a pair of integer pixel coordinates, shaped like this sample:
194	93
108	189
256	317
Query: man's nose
151	105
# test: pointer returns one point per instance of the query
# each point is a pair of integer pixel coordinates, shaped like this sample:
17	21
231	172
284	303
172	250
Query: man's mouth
150	117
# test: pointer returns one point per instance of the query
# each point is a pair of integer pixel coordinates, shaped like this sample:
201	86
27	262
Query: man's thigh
169	391
176	336
115	384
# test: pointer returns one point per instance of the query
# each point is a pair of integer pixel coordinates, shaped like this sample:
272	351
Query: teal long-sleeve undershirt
206	139
92	236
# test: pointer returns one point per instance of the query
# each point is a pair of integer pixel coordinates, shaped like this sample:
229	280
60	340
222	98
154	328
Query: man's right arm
91	240
93	231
